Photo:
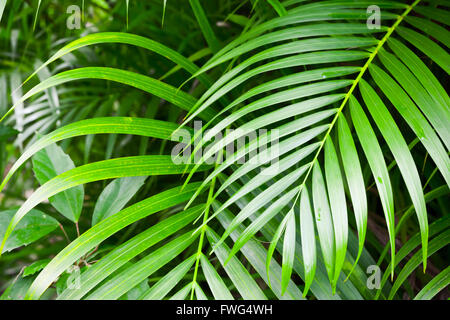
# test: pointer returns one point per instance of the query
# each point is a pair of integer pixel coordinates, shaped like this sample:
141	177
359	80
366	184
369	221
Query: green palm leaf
355	121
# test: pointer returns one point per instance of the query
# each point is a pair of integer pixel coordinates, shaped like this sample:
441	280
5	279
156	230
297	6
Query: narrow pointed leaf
128	250
288	251
215	282
120	125
338	206
160	289
33	227
138	272
437	284
401	153
374	156
49	163
355	182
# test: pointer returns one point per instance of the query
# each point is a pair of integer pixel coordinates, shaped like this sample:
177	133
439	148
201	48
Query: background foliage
364	117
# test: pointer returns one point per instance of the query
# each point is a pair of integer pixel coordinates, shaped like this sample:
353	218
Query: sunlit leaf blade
415	119
262	220
427	46
288	251
205	26
108	169
199	293
355	181
421	71
270	158
130	249
276	98
321	288
338	206
283	131
164	12
127	2
123	38
120	125
138	272
414	242
2	7
292	79
37	14
160	289
374	156
215	282
139	81
324	222
273	244
285	21
256	254
436	244
177	97
35	267
278	7
240	277
279	166
227	82
260	200
182	294
431	28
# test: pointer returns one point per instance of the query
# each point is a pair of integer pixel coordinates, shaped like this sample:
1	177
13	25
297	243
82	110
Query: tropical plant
357	119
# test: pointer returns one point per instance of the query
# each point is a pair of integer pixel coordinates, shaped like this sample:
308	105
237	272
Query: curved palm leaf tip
355	79
426	114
